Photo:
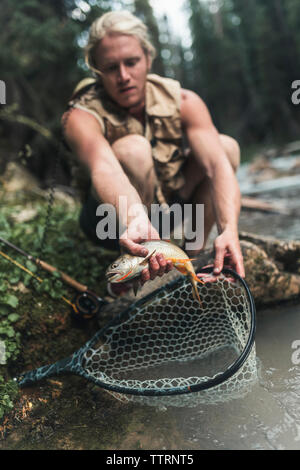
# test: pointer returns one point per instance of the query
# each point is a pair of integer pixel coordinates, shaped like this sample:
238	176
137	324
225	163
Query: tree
246	57
39	58
144	11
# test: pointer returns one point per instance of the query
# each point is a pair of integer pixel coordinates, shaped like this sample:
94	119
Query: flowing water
268	417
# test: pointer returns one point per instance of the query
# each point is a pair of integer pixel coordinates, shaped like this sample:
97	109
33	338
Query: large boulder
272	268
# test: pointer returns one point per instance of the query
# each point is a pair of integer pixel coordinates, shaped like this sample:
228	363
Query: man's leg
134	153
196	189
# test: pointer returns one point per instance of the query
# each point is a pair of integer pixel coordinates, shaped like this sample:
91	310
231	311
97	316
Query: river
268	417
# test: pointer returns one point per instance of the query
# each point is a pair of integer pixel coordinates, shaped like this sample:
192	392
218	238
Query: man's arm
205	144
84	136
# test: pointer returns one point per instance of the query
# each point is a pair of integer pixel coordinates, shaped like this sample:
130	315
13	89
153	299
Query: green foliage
39	57
20	293
8	392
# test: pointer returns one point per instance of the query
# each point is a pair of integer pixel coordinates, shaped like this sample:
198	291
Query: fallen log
253	203
286	182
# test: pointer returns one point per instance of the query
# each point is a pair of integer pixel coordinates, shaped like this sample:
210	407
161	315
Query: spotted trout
129	267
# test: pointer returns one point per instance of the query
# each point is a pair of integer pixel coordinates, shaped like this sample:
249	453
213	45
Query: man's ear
149	61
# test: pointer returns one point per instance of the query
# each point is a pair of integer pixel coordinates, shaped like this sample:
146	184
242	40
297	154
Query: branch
9	113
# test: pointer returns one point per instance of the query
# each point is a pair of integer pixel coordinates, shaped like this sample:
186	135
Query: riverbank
68	412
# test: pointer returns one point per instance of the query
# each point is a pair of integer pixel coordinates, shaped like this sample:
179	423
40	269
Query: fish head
123	269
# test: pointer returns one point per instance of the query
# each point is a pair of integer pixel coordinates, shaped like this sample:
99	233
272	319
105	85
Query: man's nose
123	73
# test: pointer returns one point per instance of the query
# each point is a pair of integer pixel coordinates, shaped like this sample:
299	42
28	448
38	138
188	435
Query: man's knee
131	148
232	150
134	153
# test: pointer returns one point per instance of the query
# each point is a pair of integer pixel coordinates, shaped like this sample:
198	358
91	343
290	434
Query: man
127	128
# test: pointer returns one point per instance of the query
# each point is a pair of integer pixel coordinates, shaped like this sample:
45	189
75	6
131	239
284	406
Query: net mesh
169	344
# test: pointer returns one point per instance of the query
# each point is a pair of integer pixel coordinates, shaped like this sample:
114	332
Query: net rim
213	382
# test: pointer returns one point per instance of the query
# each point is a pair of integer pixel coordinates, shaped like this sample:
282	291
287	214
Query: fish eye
114	266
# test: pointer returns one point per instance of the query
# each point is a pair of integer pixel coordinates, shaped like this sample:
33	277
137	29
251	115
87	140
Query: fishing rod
86	303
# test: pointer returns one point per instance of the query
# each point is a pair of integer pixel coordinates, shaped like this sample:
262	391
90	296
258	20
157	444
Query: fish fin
194	279
181	269
190	271
181	260
195	290
197	278
145	260
135	286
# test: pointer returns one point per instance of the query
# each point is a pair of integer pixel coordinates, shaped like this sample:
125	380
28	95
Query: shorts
88	221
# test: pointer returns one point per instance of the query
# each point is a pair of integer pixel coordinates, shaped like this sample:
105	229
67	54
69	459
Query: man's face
124	66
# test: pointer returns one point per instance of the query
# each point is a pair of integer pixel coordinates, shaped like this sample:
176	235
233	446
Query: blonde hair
120	22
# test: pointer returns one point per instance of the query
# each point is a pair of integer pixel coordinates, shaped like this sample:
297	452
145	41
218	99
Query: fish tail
186	269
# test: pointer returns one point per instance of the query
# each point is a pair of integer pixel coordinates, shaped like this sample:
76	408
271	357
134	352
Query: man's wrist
137	213
229	229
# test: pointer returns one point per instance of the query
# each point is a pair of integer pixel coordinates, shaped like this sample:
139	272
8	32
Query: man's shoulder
193	109
163	94
83	86
164	82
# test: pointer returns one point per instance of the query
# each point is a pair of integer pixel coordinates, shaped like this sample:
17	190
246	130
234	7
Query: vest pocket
166	152
168	160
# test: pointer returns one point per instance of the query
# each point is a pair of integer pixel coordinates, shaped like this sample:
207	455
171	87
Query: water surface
269	416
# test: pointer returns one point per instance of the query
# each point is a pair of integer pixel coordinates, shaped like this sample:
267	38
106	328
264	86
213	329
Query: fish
129	267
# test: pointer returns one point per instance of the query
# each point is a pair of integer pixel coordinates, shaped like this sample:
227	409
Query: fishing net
167	349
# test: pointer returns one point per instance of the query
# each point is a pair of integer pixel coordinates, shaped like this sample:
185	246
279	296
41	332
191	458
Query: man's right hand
140	230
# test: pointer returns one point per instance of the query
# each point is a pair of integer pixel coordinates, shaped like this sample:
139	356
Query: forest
242	59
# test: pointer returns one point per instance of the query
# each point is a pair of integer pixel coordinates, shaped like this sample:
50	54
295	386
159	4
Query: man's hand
228	252
138	231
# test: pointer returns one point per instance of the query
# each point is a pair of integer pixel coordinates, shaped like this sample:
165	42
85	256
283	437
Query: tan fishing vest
163	125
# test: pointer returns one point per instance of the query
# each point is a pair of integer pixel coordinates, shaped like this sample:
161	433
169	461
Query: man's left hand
228	252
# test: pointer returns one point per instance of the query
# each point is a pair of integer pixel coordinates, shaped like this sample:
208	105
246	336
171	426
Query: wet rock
272	268
17	178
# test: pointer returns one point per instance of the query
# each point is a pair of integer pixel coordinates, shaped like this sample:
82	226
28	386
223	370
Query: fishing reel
86	305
